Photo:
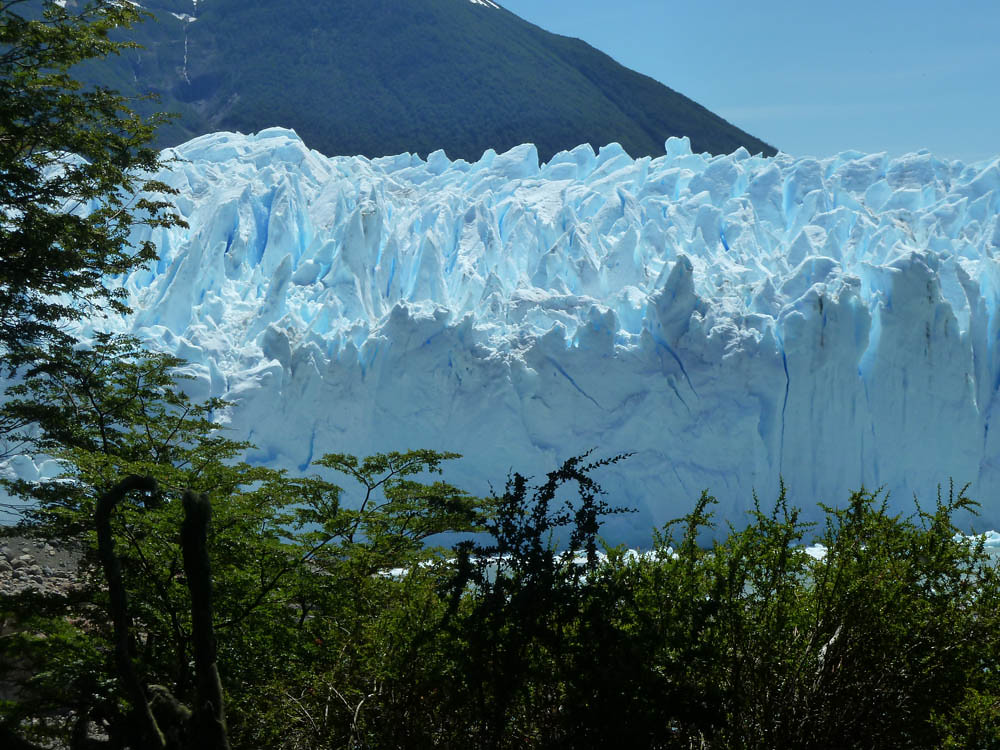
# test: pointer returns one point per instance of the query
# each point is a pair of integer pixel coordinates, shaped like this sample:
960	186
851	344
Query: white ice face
729	319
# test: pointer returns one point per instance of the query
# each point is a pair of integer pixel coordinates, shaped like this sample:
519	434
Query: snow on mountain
729	319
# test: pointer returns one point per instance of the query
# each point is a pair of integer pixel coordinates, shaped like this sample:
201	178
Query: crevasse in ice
729	319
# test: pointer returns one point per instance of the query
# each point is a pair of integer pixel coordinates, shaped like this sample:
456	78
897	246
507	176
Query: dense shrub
886	641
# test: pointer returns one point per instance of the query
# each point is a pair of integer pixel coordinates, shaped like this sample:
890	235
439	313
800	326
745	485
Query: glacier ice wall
729	319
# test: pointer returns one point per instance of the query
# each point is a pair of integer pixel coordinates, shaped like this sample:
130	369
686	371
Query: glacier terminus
729	319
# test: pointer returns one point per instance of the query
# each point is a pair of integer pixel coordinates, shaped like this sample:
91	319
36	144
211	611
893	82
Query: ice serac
731	320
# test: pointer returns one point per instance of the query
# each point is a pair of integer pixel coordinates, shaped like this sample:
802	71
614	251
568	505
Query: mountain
731	320
379	77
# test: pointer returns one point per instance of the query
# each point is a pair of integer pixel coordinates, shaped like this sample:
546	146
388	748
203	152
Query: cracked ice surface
729	319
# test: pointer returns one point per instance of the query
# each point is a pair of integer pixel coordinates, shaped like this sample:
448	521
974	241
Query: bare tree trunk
143	714
209	719
204	728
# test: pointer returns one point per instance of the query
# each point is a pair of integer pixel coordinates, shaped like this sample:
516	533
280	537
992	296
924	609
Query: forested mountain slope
378	77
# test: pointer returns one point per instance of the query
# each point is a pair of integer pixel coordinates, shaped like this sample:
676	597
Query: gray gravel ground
35	564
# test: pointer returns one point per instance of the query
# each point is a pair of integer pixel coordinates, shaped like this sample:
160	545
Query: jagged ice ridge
730	319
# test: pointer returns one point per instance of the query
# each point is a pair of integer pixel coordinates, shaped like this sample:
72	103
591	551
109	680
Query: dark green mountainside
380	77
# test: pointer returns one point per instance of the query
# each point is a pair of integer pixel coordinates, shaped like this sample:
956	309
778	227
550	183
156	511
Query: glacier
731	320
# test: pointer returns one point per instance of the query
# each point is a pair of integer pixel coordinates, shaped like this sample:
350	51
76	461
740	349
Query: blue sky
813	78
